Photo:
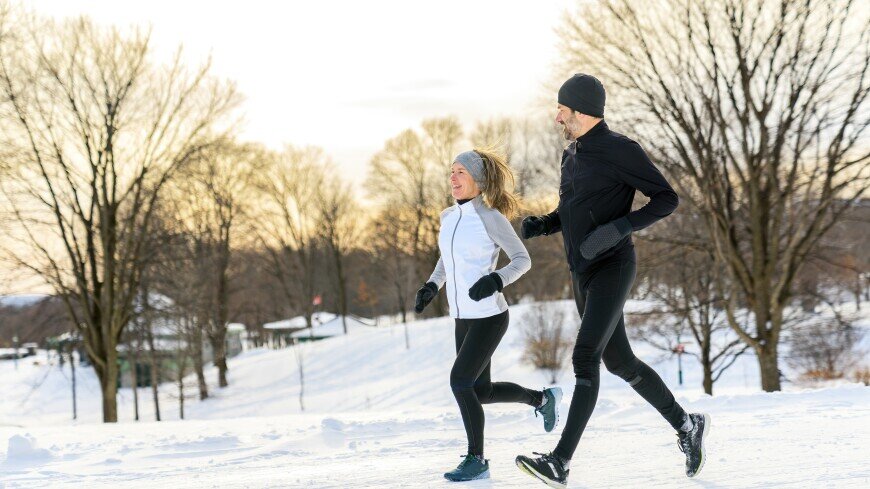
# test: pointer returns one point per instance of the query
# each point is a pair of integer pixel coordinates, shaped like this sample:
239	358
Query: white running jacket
470	238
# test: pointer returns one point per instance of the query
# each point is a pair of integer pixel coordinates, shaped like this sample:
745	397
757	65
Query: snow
332	327
380	415
300	321
21	300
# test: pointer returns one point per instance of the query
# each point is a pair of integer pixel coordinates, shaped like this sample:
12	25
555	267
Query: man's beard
566	132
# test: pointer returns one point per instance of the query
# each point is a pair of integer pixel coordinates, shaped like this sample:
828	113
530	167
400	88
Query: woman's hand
425	296
485	287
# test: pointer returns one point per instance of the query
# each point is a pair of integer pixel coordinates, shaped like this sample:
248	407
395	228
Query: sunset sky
347	75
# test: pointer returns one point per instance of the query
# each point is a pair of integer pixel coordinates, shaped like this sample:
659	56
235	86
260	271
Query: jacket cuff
432	286
497	279
623	225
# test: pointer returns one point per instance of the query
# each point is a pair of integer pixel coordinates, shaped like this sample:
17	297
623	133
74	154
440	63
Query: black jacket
600	173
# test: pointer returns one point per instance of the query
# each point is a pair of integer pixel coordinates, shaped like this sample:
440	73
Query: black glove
485	287
425	296
535	226
604	237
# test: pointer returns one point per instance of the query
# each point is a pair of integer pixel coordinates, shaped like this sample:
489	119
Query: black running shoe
472	467
692	443
548	468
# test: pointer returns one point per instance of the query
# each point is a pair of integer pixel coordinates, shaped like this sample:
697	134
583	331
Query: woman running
472	233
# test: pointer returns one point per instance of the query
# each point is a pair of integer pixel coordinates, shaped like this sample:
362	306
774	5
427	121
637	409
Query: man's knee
627	370
586	363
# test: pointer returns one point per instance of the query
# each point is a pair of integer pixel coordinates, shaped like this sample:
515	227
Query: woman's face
462	186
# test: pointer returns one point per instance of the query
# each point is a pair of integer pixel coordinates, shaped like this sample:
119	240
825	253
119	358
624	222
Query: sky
348	75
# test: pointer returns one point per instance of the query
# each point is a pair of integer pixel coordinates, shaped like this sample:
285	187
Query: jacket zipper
573	194
453	257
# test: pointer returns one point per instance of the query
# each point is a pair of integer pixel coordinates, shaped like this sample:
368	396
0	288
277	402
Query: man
601	170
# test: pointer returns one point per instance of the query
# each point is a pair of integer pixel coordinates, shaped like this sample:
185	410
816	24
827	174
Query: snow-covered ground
380	415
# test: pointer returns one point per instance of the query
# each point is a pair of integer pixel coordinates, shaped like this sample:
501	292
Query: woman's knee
484	392
461	380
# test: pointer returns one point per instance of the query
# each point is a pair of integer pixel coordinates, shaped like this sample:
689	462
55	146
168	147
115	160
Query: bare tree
215	190
340	226
684	284
393	258
288	227
759	109
95	130
548	338
825	346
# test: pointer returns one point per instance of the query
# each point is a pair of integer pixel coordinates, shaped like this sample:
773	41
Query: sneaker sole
557	400
558	395
482	475
532	472
704	434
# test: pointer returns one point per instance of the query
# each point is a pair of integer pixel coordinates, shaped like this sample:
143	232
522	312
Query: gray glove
604	237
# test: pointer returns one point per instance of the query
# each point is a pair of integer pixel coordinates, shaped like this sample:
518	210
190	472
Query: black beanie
583	93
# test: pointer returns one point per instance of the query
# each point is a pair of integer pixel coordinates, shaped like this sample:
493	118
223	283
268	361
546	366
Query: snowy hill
380	415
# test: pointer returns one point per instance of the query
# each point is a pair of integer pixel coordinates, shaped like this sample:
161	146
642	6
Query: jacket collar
474	203
596	130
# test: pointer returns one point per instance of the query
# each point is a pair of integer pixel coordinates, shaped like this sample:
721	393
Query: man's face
570	121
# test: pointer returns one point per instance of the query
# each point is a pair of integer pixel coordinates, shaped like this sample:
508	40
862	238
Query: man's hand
535	226
604	237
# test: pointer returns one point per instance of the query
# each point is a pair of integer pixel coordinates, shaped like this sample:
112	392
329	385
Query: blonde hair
499	192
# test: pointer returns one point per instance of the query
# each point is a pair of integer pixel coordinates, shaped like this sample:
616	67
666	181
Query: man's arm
635	169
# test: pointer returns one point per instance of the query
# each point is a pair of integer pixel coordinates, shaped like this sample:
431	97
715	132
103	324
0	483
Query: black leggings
600	294
476	340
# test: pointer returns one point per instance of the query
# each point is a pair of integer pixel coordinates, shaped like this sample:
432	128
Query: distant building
324	325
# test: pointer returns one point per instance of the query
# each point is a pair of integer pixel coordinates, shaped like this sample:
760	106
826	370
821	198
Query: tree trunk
196	348
301	363
155	373
342	288
181	395
219	330
72	365
109	388
219	347
708	377
769	367
135	380
705	358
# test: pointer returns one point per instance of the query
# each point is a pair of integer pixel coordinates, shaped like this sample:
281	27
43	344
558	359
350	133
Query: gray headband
474	164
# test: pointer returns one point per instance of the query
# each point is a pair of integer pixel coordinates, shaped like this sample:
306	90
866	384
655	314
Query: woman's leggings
476	340
600	294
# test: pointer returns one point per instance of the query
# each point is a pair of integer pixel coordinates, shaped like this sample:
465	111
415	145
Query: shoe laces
548	457
683	440
540	409
467	458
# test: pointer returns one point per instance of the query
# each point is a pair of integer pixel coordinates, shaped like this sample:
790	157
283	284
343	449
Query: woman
472	233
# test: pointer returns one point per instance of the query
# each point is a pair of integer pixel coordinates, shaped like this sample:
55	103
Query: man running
601	170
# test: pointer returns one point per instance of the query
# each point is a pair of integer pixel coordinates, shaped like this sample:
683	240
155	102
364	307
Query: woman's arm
439	276
503	235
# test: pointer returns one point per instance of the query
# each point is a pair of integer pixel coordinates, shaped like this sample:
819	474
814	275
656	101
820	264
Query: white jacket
470	238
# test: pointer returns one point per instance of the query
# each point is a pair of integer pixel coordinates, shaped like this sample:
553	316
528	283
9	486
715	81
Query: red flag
317	300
